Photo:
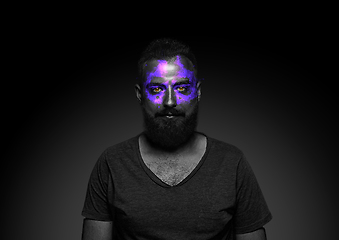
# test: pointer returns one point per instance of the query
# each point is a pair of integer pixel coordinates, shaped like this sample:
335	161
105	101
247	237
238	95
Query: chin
170	133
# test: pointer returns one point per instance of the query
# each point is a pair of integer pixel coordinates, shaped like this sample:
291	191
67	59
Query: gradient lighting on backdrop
249	99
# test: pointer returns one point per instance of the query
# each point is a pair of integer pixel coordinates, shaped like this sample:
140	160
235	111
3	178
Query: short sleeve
252	211
96	204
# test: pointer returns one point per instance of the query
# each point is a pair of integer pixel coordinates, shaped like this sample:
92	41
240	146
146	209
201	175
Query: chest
203	205
172	171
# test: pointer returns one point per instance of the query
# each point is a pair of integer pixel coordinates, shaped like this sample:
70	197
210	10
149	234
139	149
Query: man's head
169	92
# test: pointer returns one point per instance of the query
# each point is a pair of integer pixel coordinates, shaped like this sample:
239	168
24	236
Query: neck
188	147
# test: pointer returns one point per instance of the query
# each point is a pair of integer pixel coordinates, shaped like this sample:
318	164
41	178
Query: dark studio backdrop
266	94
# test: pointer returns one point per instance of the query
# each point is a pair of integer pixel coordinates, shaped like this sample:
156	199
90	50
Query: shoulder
123	147
121	150
221	148
114	157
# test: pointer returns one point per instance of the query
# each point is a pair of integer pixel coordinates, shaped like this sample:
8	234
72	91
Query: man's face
170	103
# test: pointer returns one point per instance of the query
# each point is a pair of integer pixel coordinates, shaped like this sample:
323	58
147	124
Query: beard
169	134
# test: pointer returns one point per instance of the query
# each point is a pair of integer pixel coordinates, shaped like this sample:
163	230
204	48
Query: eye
156	90
181	89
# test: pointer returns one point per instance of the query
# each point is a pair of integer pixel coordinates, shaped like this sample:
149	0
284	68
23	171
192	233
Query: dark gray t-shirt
220	198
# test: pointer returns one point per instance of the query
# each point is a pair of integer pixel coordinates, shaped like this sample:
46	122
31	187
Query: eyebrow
179	82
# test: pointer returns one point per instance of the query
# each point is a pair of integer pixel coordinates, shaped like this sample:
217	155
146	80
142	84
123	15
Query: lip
170	115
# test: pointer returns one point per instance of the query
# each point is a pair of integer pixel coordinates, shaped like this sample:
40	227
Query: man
171	182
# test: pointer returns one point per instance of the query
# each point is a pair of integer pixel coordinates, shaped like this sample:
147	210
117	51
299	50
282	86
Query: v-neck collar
158	180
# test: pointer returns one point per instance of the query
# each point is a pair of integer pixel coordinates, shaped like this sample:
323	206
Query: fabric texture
220	198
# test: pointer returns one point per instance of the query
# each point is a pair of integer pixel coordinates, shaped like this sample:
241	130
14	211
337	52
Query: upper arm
259	234
251	211
97	230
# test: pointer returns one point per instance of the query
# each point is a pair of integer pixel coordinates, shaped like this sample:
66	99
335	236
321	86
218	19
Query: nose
170	98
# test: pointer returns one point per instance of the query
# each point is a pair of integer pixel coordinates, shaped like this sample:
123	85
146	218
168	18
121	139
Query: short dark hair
164	49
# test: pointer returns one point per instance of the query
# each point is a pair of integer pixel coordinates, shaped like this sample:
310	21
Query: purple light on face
185	73
161	70
162	67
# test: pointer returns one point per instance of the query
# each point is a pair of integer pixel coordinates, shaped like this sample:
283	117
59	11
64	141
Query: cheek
182	98
155	99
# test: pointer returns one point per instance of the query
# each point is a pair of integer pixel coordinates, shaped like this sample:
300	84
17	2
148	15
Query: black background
69	94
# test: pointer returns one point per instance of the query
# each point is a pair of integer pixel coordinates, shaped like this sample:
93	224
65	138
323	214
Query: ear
199	90
138	93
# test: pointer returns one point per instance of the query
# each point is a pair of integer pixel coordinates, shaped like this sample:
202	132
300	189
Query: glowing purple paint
160	71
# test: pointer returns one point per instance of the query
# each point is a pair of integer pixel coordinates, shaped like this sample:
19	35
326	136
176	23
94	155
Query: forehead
178	65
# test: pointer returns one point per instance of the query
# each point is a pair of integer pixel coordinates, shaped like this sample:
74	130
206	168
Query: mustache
170	112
